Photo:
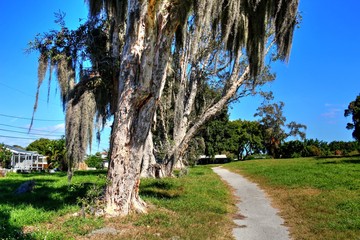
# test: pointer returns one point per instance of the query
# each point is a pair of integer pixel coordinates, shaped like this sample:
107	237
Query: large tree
150	29
142	37
353	110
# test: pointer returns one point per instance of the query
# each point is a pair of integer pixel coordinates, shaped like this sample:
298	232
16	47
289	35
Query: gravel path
257	219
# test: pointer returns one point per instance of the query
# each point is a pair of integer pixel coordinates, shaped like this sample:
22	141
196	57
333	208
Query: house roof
22	151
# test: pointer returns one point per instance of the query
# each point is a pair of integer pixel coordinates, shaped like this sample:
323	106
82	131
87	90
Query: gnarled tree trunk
142	76
149	167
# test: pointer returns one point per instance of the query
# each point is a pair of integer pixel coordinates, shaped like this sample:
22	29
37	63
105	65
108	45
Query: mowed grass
29	216
195	206
319	198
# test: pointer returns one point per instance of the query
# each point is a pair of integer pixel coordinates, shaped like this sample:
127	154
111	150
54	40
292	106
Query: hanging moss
79	126
244	23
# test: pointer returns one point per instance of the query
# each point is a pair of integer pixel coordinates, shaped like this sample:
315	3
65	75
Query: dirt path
260	220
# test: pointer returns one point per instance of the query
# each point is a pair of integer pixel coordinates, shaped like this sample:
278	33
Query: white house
22	160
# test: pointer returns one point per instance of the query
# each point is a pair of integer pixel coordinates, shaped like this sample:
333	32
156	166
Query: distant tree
315	147
292	149
94	161
237	139
353	110
54	150
344	148
56	153
247	138
39	145
5	156
274	126
215	134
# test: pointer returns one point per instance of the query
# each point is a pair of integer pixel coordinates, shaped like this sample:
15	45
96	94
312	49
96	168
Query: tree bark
149	167
235	82
142	76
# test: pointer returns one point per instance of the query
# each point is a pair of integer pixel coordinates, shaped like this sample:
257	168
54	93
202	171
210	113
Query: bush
5	157
314	151
296	155
94	161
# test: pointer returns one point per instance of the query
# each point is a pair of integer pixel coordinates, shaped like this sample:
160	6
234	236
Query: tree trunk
179	151
149	167
142	76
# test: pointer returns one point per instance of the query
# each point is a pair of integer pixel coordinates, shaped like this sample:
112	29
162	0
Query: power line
35	119
26	128
18	137
35	134
25	93
20	91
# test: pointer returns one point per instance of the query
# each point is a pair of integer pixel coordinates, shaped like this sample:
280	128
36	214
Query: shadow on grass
345	161
90	173
51	193
8	231
161	189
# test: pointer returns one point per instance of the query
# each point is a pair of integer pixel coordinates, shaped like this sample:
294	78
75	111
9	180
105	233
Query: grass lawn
319	198
196	206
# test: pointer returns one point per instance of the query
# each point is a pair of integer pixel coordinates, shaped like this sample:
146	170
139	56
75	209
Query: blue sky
316	85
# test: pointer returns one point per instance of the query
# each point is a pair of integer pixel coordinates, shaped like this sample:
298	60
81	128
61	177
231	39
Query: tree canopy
274	126
353	110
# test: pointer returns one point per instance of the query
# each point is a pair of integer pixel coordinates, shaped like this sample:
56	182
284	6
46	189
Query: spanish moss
80	116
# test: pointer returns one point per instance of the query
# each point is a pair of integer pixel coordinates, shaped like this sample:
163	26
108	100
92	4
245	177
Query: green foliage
5	156
57	154
273	123
196	148
344	148
353	110
88	93
94	161
313	150
247	137
292	149
55	150
215	133
93	200
237	139
317	148
40	146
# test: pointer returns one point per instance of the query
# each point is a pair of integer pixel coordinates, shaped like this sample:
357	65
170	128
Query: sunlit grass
27	216
195	206
319	198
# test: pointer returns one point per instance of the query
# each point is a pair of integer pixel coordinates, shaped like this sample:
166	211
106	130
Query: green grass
51	198
317	197
195	206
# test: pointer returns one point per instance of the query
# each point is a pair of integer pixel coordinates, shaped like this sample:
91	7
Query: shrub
5	156
314	151
94	161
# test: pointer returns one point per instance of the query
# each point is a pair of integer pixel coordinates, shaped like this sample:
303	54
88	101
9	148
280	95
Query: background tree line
266	137
243	139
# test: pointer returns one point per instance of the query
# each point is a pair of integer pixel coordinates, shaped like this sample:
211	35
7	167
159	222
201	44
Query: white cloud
333	112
